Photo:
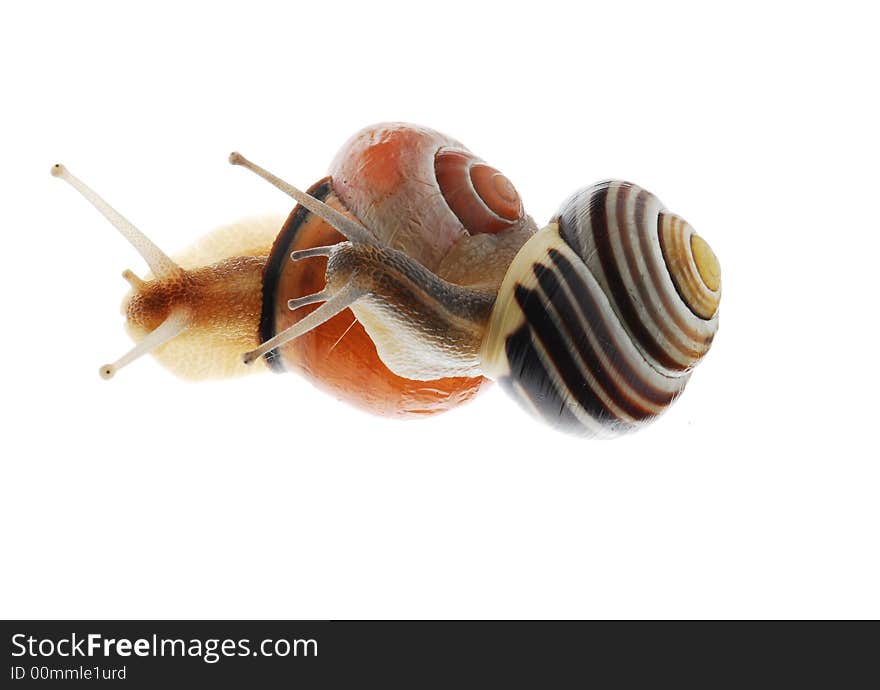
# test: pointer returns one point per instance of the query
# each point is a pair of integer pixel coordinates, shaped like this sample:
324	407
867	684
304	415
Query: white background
755	496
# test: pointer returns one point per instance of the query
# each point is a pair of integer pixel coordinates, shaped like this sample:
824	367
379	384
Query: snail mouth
692	265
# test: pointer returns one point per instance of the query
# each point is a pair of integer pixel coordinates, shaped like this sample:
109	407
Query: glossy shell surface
605	312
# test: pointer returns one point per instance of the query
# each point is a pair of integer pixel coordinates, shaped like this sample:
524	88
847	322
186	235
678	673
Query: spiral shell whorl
642	257
598	323
481	197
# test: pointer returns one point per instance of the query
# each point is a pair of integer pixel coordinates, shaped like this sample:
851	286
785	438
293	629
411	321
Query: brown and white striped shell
605	312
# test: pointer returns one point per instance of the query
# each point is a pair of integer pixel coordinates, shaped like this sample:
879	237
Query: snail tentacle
298	302
337	303
301	254
423	327
176	323
159	262
347	226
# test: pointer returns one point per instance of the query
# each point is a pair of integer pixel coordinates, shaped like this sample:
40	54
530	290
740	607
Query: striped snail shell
605	312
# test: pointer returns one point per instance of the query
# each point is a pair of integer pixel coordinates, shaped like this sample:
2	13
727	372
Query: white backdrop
755	496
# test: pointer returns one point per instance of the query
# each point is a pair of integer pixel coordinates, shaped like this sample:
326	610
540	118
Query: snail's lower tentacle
338	302
301	254
424	327
296	303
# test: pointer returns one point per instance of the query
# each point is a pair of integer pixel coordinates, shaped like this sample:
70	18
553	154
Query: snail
411	275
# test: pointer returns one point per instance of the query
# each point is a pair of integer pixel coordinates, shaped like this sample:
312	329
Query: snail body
395	178
411	274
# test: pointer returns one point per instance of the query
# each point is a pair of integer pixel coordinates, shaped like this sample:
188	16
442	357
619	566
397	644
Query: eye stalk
348	227
159	262
177	320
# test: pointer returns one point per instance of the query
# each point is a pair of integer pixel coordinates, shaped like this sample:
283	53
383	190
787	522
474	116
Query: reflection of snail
435	277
